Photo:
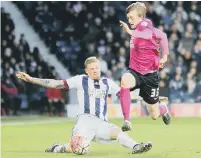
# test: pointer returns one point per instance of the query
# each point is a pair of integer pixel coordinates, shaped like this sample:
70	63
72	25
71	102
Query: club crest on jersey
144	23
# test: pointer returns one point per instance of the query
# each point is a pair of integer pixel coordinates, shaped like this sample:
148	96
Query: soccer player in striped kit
92	123
145	43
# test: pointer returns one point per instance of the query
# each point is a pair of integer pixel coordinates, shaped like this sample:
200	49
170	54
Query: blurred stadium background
52	40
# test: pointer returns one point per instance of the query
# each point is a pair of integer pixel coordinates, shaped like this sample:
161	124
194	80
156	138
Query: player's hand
126	126
125	27
163	60
23	76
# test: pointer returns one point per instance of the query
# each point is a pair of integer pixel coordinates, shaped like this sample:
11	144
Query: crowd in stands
17	56
77	30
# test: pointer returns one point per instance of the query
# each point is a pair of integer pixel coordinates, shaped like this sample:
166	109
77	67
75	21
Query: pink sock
163	109
125	100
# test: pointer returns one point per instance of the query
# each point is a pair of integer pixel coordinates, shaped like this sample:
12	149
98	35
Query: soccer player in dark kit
143	72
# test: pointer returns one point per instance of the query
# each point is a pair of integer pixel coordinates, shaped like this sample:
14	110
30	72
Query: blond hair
90	60
139	7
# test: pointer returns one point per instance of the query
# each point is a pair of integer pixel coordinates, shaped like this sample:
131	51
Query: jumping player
92	124
145	45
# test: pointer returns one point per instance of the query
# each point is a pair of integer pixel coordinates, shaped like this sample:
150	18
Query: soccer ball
79	145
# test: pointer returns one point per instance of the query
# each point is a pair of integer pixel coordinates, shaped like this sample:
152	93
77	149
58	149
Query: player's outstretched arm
48	83
125	27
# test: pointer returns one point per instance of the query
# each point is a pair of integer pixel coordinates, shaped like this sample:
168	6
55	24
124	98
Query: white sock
125	140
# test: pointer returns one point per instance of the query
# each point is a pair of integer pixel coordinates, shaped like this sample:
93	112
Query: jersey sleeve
163	41
113	87
73	82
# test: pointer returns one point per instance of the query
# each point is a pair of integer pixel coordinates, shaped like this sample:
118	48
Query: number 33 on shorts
154	92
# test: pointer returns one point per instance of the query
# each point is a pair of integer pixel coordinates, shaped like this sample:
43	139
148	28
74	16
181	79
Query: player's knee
153	111
154	115
125	80
114	132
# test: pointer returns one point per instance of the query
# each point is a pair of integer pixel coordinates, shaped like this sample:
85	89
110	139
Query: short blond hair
90	60
139	7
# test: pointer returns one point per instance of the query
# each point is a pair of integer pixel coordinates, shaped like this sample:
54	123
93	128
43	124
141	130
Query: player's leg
128	81
107	133
84	130
128	142
83	133
59	148
74	142
159	109
150	94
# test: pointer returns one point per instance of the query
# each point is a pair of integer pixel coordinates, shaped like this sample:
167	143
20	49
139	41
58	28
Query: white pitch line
34	122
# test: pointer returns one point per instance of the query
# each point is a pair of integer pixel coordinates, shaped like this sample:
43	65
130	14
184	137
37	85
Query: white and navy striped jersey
92	94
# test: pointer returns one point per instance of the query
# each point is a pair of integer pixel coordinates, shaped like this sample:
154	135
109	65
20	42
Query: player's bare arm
163	60
48	83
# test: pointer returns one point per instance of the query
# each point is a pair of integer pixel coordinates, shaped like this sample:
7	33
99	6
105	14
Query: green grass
181	139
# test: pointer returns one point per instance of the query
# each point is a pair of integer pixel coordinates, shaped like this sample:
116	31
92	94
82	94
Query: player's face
133	18
93	70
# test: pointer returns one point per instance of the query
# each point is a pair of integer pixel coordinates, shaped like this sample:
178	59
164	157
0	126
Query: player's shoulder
144	24
80	76
107	80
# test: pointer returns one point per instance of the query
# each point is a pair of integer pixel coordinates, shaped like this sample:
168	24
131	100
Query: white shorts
93	129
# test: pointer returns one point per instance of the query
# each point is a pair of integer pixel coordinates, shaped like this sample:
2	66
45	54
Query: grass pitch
28	137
